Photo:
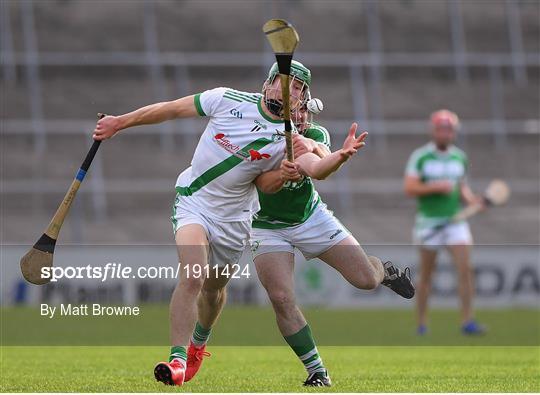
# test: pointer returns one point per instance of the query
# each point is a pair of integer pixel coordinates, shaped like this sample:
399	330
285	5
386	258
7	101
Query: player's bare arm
272	181
469	197
322	150
108	126
413	186
318	168
302	145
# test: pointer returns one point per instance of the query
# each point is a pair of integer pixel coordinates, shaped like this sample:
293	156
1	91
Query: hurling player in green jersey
292	216
436	176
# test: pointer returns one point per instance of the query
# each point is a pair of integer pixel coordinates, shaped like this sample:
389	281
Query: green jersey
296	201
429	164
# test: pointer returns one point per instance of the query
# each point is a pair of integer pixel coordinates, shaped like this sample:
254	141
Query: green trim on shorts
173	217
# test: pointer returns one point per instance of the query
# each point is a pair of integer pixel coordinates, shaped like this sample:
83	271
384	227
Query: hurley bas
88	310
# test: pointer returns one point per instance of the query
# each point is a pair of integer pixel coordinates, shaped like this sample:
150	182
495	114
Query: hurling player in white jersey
216	198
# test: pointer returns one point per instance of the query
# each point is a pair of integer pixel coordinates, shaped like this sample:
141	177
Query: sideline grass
255	326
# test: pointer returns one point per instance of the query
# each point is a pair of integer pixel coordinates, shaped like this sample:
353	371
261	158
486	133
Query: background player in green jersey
436	176
293	215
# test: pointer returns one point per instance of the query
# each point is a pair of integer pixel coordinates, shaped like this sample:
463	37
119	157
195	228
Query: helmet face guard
302	118
299	81
298	97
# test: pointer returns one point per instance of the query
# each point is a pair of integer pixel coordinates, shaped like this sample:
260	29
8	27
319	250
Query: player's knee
192	285
371	282
282	300
366	280
377	264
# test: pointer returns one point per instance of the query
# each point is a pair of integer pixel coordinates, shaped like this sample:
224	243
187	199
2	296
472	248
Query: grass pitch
275	369
364	350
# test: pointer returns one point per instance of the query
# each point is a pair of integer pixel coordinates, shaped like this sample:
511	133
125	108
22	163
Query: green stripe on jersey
221	168
241	96
232	98
197	100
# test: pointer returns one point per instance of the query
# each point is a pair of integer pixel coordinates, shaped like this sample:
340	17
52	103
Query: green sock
303	345
178	352
200	335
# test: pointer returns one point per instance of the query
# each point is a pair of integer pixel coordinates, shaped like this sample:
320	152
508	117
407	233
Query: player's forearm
270	182
416	188
321	151
320	168
158	112
468	195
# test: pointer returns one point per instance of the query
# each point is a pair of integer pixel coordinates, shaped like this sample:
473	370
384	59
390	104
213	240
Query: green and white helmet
299	72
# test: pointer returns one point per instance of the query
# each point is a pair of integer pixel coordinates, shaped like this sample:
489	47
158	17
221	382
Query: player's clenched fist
106	127
289	171
352	143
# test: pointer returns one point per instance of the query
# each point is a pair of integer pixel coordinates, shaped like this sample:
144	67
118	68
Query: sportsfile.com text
120	271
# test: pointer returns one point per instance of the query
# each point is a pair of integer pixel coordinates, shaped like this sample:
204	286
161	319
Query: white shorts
227	240
452	234
319	233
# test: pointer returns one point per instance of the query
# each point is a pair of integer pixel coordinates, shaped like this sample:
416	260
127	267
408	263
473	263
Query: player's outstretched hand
289	171
106	128
352	143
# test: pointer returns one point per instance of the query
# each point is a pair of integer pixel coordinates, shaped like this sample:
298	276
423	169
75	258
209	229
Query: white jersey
239	143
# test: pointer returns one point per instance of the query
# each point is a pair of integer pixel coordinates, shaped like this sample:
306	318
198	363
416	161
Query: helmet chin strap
274	106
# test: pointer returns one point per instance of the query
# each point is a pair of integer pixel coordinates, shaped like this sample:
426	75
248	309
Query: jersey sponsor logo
252	155
337	232
295	184
256	155
258	126
236	113
226	143
255	244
